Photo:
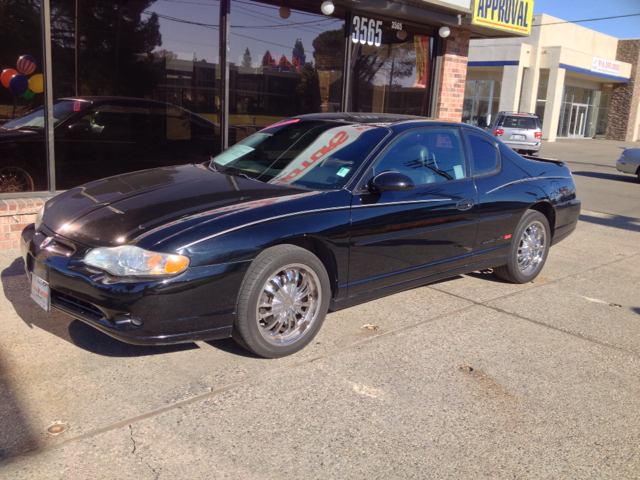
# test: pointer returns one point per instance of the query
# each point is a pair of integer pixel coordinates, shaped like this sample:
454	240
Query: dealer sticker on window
40	292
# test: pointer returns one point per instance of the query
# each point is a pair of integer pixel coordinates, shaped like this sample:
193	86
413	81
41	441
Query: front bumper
198	304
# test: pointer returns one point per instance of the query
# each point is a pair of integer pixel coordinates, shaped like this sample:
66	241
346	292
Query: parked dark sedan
314	213
97	137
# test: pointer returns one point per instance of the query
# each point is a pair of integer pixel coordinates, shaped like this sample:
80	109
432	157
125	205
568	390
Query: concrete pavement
466	378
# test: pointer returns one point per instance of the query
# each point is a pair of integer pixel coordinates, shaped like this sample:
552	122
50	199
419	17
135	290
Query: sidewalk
466	378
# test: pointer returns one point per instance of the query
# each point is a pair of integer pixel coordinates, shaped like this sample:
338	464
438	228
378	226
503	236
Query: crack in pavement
139	455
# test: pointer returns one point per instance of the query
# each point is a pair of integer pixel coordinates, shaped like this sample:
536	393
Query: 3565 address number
367	31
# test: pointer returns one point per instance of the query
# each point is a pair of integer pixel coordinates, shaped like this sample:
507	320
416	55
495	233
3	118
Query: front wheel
529	249
282	302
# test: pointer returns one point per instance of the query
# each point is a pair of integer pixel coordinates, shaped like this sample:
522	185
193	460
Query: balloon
26	64
18	84
28	95
36	83
6	76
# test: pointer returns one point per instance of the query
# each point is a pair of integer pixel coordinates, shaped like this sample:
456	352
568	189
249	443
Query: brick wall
14	216
625	96
453	75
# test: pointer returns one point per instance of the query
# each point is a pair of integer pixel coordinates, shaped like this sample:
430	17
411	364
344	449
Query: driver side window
426	156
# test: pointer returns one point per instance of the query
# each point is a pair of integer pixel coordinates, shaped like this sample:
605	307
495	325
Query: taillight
537	134
498	132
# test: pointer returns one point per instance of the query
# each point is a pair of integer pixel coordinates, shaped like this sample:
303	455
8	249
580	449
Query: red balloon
6	76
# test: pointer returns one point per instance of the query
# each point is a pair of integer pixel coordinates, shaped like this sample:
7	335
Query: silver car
629	162
520	131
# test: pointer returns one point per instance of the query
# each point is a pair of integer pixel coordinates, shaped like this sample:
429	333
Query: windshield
315	154
35	119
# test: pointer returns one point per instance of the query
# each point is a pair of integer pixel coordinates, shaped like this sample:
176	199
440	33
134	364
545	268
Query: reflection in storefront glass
154	65
23	166
393	77
282	67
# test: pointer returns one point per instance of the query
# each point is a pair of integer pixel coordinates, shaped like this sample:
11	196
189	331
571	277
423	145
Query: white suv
520	131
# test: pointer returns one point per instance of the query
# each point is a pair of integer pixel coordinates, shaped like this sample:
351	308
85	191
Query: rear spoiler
560	163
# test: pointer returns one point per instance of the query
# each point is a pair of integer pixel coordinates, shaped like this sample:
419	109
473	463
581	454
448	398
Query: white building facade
574	78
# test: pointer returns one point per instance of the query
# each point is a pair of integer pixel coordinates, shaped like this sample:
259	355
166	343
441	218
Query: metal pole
48	93
436	78
76	50
225	33
346	66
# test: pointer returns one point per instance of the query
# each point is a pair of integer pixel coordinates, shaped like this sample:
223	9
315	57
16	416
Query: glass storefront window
23	165
482	99
143	82
282	67
578	113
390	69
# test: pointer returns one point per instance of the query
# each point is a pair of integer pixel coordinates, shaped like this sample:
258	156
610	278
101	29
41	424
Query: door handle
464	204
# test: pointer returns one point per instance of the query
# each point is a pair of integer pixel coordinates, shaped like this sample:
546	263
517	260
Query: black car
316	213
97	137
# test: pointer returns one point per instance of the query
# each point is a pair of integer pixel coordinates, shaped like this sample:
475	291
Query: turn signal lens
498	132
176	263
131	261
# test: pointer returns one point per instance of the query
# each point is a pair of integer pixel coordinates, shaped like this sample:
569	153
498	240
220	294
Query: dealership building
581	83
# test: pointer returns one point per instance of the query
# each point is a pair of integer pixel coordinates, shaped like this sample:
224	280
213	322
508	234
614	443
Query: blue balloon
18	84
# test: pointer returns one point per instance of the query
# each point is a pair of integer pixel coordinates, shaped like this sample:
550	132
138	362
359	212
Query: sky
264	29
572	10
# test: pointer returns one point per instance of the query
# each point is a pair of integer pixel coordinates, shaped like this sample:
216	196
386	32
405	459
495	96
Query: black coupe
315	213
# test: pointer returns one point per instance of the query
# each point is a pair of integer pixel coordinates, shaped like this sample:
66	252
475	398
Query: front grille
75	306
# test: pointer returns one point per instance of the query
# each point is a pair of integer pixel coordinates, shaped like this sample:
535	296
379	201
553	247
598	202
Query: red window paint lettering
336	141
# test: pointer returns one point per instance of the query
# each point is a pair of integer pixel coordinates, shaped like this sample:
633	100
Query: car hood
127	208
9	135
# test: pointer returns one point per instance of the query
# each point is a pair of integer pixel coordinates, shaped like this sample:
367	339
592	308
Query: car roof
375	118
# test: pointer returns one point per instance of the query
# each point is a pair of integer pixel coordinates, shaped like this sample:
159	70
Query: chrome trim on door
522	181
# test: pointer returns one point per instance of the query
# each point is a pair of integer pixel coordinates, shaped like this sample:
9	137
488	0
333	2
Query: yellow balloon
36	83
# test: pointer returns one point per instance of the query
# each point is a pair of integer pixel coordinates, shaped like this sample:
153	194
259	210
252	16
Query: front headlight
38	221
130	261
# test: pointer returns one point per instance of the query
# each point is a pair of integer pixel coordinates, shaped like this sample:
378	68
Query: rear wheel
282	302
638	175
529	249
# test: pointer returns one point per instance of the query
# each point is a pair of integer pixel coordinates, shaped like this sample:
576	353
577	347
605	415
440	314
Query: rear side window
483	152
510	121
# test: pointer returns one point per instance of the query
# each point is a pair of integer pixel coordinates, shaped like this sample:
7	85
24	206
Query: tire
282	303
529	249
638	175
14	179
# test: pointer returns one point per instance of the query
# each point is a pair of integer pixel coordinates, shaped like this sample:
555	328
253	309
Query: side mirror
391	182
79	129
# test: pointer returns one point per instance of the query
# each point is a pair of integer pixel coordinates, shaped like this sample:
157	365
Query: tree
307	94
267	59
298	51
116	44
168	54
246	59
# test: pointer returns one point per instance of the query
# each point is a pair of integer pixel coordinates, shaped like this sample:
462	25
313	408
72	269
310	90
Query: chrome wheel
14	179
289	304
531	248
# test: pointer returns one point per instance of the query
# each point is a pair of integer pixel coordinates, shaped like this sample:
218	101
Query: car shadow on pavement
16	289
615	221
608	176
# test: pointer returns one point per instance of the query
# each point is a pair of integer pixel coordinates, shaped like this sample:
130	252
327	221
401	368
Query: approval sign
509	15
